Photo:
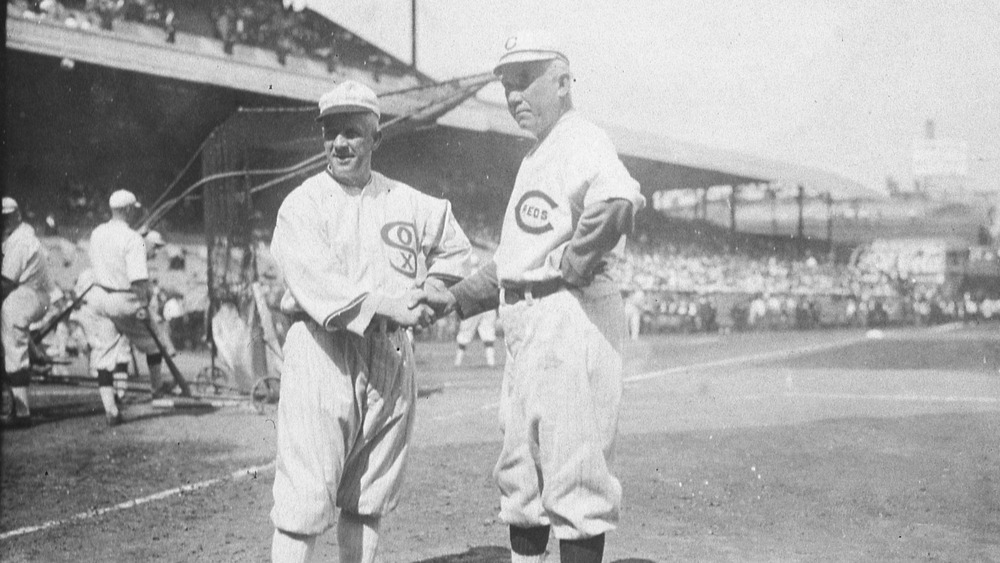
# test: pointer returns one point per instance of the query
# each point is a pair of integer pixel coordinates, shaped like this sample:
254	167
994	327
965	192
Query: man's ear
565	82
378	139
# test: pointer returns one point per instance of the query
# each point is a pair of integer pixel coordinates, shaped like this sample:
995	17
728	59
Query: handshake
420	306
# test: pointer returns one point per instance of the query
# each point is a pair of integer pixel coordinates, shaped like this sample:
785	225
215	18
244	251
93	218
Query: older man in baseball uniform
121	295
26	287
561	311
348	242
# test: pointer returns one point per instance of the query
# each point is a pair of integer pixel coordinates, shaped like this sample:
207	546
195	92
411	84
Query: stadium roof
673	164
658	162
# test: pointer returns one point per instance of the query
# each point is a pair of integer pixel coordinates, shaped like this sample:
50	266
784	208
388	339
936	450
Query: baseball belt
514	293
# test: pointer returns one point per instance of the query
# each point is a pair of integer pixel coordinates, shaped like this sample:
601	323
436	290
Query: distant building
940	166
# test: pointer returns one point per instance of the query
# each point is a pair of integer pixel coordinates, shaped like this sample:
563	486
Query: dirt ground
726	454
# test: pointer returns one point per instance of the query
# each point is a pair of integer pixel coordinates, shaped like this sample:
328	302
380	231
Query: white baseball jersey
563	376
348	391
24	262
574	166
117	255
341	249
118	258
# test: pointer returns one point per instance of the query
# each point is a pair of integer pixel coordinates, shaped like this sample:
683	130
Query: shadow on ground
494	554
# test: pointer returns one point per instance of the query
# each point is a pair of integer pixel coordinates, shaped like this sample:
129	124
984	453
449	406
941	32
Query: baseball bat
176	373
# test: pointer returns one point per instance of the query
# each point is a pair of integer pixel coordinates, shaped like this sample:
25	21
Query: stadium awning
666	163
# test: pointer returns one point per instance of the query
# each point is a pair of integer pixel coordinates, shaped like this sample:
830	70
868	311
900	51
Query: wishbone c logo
534	212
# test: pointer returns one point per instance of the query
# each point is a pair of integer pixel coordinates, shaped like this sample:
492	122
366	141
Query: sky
841	85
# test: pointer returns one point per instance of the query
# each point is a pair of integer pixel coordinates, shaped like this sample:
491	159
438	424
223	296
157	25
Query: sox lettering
400	236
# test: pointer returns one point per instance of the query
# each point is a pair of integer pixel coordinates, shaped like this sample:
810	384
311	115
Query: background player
561	312
484	325
121	295
26	287
348	241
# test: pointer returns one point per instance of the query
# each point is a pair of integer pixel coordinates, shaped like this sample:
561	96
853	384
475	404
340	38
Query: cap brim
526	57
337	110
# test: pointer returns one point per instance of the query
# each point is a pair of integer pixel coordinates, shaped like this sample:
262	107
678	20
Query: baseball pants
345	417
120	308
559	405
21	308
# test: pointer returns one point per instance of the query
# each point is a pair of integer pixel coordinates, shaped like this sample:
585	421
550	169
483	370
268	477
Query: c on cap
9	205
123	198
348	97
527	46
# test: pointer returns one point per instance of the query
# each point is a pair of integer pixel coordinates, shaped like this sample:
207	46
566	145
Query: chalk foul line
246	473
753	358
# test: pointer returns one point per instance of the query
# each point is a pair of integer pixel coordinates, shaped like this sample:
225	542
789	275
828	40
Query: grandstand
148	95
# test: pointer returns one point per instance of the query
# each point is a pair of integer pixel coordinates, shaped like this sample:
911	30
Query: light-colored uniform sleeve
24	260
605	175
314	280
16	259
135	259
443	242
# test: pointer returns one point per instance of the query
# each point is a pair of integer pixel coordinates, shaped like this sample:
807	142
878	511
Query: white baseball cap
155	239
9	205
527	46
123	198
348	97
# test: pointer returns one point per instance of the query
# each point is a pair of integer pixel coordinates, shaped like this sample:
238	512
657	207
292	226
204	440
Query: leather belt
511	294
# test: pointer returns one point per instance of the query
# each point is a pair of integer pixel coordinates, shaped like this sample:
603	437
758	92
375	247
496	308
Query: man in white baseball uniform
26	287
348	241
561	312
121	295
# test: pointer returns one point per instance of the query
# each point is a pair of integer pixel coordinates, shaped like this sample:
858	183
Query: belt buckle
528	295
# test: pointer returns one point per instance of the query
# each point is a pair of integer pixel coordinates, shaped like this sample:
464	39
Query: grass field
792	446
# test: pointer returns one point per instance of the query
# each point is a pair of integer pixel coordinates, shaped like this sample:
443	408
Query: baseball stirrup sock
586	550
529	541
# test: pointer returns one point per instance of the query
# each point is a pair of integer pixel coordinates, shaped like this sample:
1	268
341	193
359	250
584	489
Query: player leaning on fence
348	241
561	312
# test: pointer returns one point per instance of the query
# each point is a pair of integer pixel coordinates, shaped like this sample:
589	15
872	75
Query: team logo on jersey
401	236
534	212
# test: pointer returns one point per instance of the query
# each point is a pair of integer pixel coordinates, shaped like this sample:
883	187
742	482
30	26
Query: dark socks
529	541
586	550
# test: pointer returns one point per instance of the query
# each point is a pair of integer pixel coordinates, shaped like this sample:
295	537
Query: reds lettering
533	211
401	236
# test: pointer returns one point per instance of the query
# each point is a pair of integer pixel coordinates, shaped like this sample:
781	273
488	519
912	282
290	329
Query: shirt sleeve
135	259
605	176
314	279
599	229
443	242
15	260
479	292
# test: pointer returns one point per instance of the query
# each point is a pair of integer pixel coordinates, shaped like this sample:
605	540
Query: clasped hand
420	306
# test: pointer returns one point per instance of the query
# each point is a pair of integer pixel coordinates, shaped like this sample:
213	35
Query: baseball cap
9	205
123	198
348	97
155	239
529	45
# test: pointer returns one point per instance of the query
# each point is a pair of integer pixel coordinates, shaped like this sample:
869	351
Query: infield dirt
910	481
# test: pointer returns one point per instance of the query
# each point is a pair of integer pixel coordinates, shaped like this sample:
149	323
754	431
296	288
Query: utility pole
413	34
733	199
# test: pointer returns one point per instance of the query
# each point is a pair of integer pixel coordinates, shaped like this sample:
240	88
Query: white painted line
903	398
773	355
236	475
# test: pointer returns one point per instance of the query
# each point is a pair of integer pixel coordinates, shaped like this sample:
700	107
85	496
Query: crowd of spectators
691	285
265	24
